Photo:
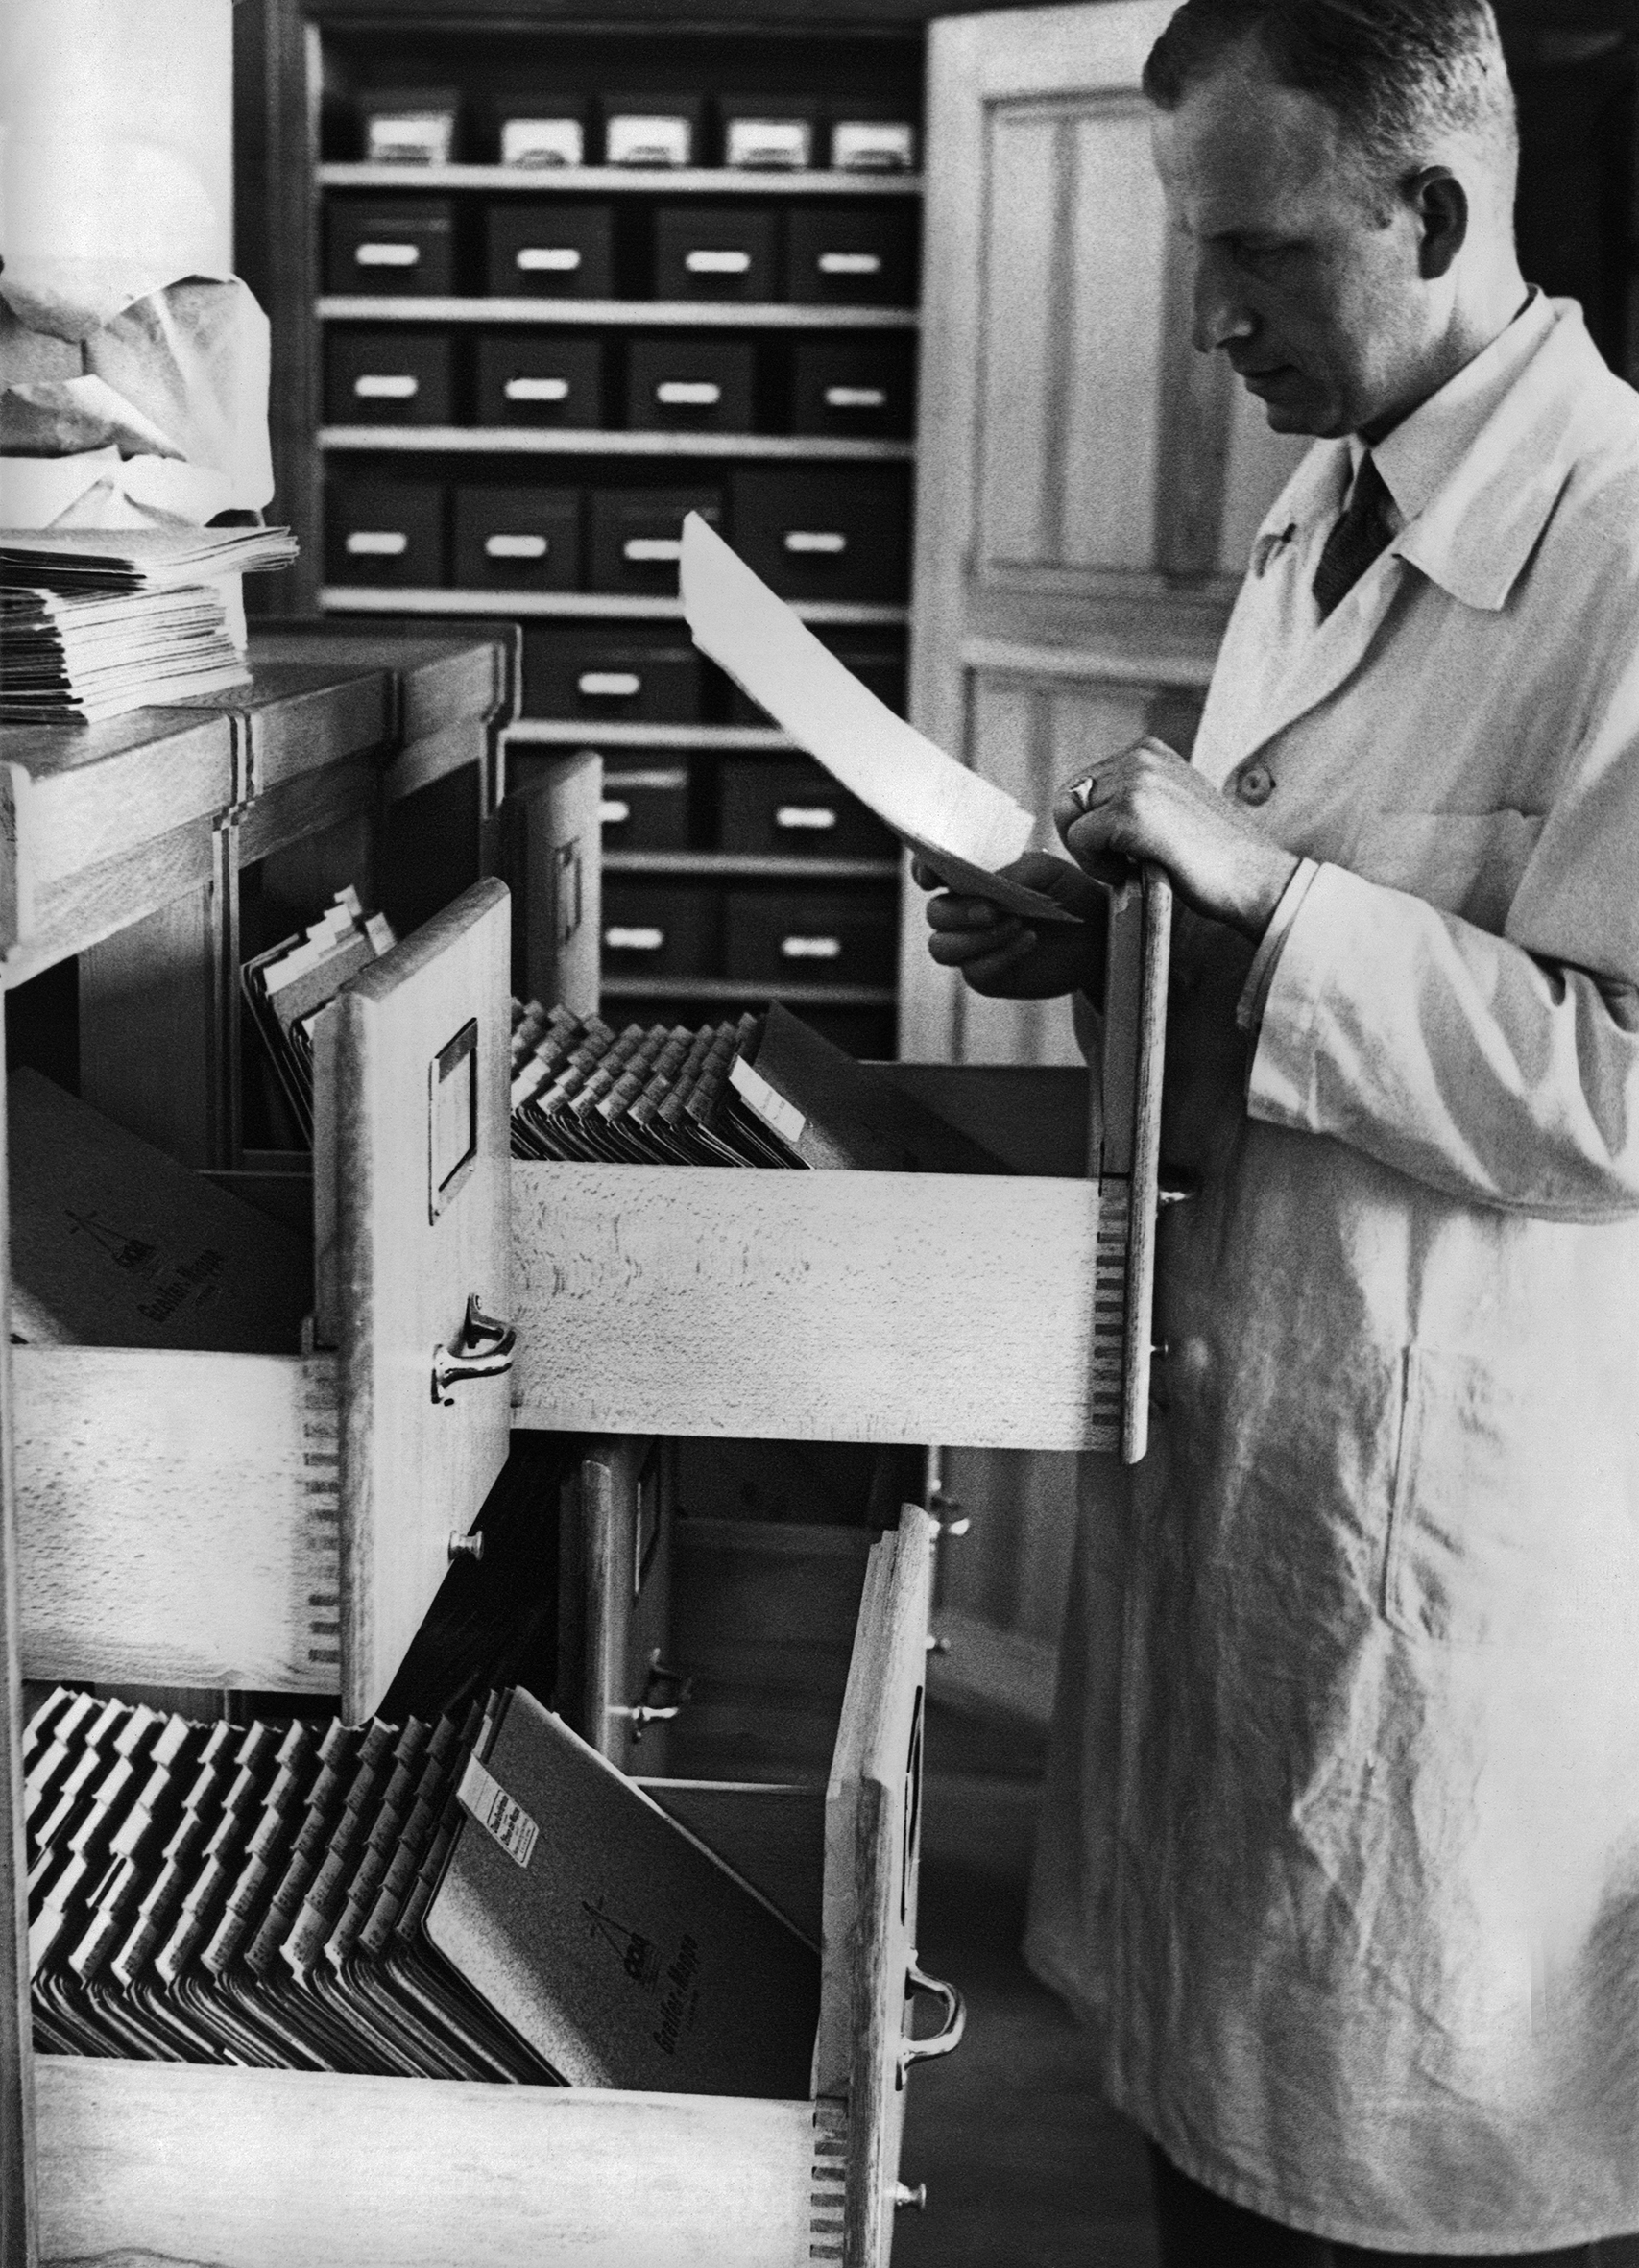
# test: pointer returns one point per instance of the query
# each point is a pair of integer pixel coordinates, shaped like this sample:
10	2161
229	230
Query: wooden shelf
657	314
750	866
546	440
553	732
724	989
568	180
362	598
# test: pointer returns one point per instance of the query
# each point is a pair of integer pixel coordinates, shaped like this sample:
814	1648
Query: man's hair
1396	74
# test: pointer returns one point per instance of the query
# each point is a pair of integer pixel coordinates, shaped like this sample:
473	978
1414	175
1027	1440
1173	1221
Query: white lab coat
1341	1839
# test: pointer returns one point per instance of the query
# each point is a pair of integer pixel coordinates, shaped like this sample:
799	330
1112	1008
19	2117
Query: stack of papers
285	988
93	624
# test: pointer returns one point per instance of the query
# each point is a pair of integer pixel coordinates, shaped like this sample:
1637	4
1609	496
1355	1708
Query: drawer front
549	249
702	253
837	534
610	676
539	381
518	539
854	386
872	1855
877	661
391	246
388	377
796	811
645	807
690	385
653	931
636	535
861	258
389	532
815	937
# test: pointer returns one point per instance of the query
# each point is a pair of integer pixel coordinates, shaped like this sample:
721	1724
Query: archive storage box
794	810
644	807
395	246
519	538
681	384
631	672
549	248
523	379
840	533
839	936
659	929
389	376
862	386
386	531
858	255
636	536
716	252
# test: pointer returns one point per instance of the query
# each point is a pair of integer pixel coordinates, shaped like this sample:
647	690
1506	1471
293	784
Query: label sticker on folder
497	1813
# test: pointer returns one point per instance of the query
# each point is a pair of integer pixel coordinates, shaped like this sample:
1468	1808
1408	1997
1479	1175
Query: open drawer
257	2169
283	1522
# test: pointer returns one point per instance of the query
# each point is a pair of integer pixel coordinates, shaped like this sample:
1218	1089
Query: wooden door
413	1222
1089	484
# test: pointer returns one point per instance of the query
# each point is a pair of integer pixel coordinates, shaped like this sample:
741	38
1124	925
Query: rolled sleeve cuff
1255	993
1282	1085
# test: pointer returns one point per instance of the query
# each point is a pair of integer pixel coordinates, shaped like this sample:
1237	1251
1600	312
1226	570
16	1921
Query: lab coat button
1256	785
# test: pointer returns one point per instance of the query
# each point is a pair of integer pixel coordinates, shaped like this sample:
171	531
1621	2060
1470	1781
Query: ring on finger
1082	790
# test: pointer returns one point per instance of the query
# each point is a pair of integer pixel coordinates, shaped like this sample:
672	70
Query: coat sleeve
1503	1069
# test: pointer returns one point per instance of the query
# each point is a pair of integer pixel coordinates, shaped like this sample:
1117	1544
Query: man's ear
1440	202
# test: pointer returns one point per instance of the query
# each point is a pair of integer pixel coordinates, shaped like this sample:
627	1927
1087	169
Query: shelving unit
507	441
596	606
626	181
650	314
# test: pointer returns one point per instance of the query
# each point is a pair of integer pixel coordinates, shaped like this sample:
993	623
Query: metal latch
482	1348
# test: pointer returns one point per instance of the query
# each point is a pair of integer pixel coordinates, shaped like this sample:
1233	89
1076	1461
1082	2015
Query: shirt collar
1470	506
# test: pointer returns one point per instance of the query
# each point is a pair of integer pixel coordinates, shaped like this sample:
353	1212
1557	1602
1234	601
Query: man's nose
1220	310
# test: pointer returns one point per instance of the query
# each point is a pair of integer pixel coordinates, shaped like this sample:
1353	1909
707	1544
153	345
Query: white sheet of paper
960	824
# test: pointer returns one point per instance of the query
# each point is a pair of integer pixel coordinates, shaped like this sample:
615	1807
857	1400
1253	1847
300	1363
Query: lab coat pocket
1465	862
1465	1526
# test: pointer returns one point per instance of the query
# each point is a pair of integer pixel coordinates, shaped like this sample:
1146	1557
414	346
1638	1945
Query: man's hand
1001	955
1147	803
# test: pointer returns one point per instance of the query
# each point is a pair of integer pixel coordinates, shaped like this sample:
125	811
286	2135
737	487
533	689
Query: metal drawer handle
537	389
514	546
651	550
612	812
850	263
373	388
950	2034
620	939
387	256
482	1348
687	394
856	398
810	949
814	544
551	259
377	543
609	685
716	263
814	818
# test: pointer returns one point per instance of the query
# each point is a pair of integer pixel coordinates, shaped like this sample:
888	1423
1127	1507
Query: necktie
1363	531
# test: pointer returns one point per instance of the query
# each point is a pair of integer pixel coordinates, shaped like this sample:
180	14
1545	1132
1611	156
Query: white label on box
856	398
873	146
811	543
543	142
382	388
716	263
850	263
514	546
609	684
810	949
364	542
784	142
414	137
537	389
651	550
773	1109
548	259
687	394
814	818
498	1814
387	256
612	812
647	141
634	940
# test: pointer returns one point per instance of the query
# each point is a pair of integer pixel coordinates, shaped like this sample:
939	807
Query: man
1341	1839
